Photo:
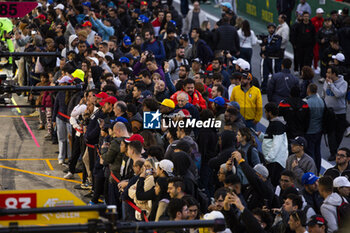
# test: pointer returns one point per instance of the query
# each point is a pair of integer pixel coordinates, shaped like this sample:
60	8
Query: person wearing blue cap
124	61
299	162
219	107
310	191
125	47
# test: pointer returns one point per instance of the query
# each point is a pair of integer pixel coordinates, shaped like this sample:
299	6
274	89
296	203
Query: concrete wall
266	9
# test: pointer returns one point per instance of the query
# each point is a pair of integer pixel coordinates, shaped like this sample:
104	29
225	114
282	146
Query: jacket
202	50
314	200
274	142
113	157
279	85
195	99
103	30
305	35
226	38
285	6
305	164
334	95
250	102
344	34
157	48
147	184
272	47
325	34
329	211
334	172
254	161
316	106
188	20
296	113
60	106
283	31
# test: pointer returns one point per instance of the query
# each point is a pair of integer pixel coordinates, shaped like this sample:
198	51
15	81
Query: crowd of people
136	57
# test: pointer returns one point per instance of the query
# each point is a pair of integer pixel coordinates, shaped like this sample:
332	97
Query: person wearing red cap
107	105
91	33
101	96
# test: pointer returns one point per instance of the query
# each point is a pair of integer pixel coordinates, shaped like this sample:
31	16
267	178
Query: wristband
241	161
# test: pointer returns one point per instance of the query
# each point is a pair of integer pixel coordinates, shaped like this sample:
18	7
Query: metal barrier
29	54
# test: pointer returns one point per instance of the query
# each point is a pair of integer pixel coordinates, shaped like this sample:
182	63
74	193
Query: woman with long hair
247	40
307	74
206	34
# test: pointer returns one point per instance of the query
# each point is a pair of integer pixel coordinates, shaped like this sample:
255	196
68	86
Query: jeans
270	66
314	148
246	54
304	56
63	129
275	170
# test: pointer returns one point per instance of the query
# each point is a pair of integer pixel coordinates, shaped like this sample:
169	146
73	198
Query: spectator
226	38
285	7
153	45
303	6
200	48
194	18
317	224
310	191
342	167
297	221
317	21
283	30
247	40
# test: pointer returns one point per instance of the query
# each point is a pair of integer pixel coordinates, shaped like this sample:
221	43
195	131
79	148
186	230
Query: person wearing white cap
165	168
59	9
216	215
102	61
339	57
342	186
317	21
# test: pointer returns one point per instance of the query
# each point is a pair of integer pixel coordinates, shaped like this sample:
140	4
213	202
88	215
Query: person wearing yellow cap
78	73
167	106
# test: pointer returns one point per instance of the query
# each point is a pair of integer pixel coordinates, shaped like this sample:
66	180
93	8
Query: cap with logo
59	6
244	65
341	181
87	24
134	137
94	59
301	141
234	104
167	166
309	178
317	219
339	56
78	73
110	99
319	11
218	100
142	19
168	103
237	61
197	60
88	4
101	54
102	95
184	37
127	40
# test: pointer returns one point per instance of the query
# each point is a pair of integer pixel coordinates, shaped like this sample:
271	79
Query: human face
181	53
122	76
147	36
344	191
160	86
271	30
150	66
192	212
288	206
107	107
129	85
239	137
115	69
306	18
116	110
160	16
194	34
84	67
184	213
316	229
196	6
221	175
312	187
216	65
341	158
182	72
189	88
293	224
97	39
82	48
111	45
168	17
219	203
91	97
280	20
196	66
214	92
172	190
245	81
296	148
136	93
138	40
181	101
285	182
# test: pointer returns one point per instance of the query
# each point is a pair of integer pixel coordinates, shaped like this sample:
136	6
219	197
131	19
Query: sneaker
66	170
317	71
321	80
34	114
69	175
347	132
86	186
60	162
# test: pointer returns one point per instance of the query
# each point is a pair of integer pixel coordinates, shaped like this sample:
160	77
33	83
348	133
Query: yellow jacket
250	102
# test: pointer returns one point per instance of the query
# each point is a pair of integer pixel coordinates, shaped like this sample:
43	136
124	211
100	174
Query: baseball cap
87	24
78	73
142	19
88	4
309	178
244	65
168	103
237	61
213	215
184	37
227	4
124	60
144	3
341	181
102	95
317	219
101	54
173	22
299	141
247	75
94	59
319	11
65	79
137	10
339	56
41	16
109	99
167	166
121	119
59	6
218	100
234	104
197	60
127	40
262	170
134	137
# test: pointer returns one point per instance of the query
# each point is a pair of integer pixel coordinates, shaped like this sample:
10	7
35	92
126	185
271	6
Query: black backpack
343	213
249	156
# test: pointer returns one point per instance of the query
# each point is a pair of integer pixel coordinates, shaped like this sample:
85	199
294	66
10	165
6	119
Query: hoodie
334	95
329	211
70	47
274	142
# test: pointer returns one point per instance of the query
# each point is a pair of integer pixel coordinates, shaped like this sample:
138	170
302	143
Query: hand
166	67
101	161
123	184
265	209
237	202
237	155
212	207
228	201
229	165
102	123
54	124
263	48
329	81
294	164
143	57
143	172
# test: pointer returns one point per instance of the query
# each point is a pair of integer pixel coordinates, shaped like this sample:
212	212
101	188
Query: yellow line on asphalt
9	116
39	174
26	159
14	102
49	164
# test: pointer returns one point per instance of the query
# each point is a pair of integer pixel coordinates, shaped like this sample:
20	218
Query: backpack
249	156
176	66
343	213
